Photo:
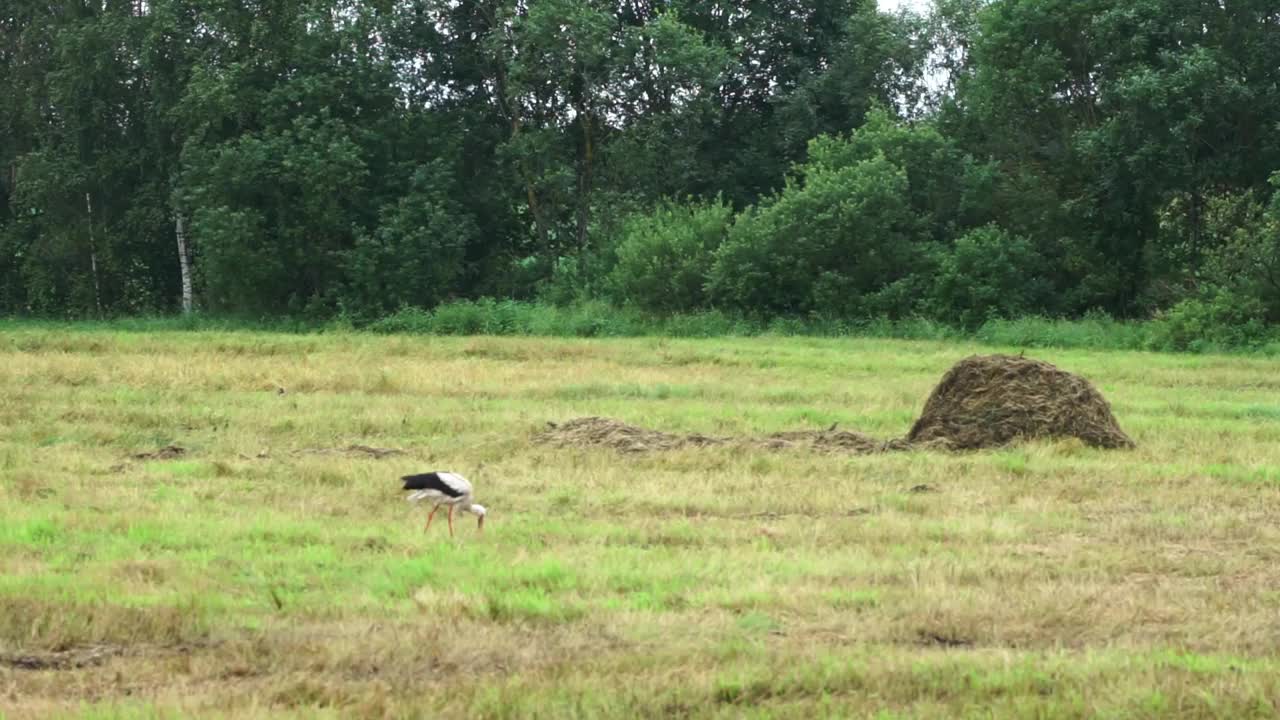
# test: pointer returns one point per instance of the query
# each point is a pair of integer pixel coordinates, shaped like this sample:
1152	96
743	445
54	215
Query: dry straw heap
982	402
992	400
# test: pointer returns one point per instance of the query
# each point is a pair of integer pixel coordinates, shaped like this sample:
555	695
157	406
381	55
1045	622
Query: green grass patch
273	571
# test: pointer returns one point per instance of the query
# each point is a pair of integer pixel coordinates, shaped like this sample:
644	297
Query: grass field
269	573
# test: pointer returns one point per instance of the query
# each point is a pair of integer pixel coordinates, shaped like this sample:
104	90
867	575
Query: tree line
796	158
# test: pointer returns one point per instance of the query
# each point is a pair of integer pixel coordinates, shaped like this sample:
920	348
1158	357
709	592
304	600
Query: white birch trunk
93	257
184	263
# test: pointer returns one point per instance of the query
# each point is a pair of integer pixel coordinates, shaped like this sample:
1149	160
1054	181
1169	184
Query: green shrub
1192	327
1096	330
1228	241
487	316
407	320
912	328
840	245
599	319
577	278
708	323
461	318
988	274
1220	320
1248	261
665	256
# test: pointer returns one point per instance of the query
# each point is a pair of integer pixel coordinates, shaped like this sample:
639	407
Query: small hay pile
610	433
834	441
355	450
168	452
606	432
992	400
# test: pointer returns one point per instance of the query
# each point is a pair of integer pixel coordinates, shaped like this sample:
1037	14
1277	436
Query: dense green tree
273	212
798	70
581	73
947	189
1114	109
81	239
994	157
415	256
292	151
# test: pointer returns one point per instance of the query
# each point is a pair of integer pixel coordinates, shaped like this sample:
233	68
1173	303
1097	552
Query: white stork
443	488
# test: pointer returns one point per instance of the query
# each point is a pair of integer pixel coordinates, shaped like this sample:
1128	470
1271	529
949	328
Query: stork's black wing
450	484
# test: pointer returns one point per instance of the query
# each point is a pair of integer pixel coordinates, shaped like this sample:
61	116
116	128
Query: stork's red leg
429	516
450	521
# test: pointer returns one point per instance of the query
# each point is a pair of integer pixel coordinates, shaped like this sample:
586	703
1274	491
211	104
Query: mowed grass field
269	573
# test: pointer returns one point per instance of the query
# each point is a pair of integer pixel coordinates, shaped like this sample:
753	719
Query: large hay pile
992	400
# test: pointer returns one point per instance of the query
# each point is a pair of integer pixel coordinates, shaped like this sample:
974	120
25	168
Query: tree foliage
991	158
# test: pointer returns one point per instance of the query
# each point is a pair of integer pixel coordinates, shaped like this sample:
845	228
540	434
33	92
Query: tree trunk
93	257
531	194
584	180
184	263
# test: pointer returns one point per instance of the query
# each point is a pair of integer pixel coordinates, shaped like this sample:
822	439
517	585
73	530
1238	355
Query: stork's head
479	512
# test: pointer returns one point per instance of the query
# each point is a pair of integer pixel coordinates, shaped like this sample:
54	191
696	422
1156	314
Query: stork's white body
460	487
443	488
